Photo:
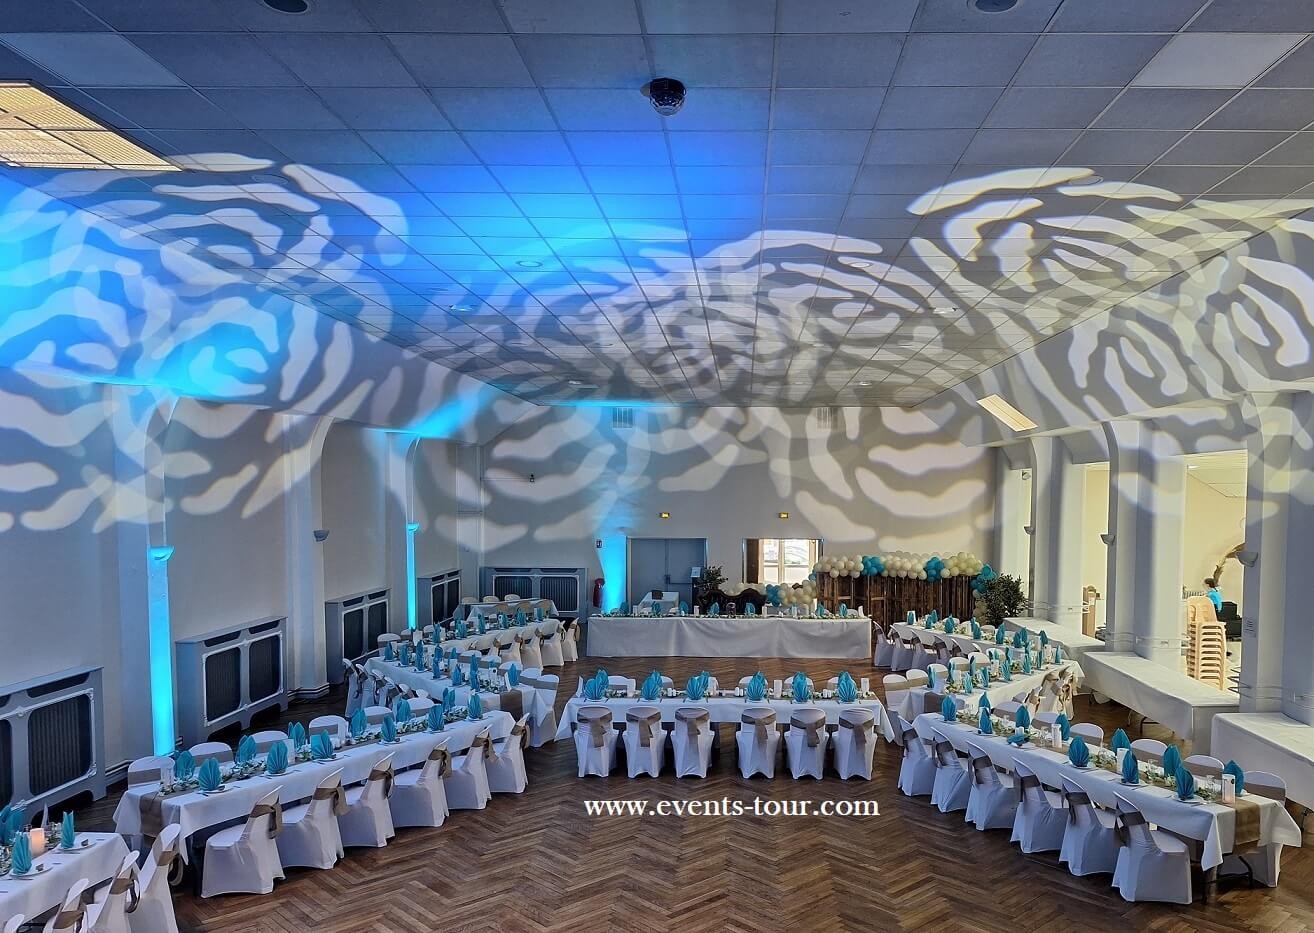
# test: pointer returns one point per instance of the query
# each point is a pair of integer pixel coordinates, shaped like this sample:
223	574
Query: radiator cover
565	586
228	675
52	738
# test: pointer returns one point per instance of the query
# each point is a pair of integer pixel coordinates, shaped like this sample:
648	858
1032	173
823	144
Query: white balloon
921	575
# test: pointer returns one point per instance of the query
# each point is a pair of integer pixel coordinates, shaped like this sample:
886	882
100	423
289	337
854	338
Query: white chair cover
1092	734
244	859
992	802
368	820
953	785
692	738
354	686
154	912
1090	842
570	642
550	643
467	785
71	912
595	741
896	691
758	741
883	655
1041	821
310	837
917	771
1152	865
219	751
506	769
108	911
645	741
13	923
806	741
543	718
335	726
855	743
419	796
530	653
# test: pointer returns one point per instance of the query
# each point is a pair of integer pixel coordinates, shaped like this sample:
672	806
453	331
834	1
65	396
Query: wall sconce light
1108	538
1247	558
782	515
1029	529
663	515
321	534
161	553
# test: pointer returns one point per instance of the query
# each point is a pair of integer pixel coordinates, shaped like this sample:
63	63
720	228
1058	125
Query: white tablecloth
195	811
999	691
708	637
1211	823
1269	742
33	896
1182	703
727	709
461	644
1074	642
419	680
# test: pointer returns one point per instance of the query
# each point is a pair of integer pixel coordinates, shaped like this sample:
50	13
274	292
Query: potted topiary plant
709	587
1002	598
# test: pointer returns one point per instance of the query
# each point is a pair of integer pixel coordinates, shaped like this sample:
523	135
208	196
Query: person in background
1214	593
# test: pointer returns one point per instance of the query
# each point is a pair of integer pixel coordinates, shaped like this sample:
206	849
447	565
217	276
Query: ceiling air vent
828	417
622	418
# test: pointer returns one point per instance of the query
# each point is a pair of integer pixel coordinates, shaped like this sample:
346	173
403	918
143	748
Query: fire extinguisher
597	592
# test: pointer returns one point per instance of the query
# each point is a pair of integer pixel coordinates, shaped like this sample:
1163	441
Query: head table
729	637
42	891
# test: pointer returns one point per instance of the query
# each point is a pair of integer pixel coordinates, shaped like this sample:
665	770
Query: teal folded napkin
1078	753
999	635
1017	738
930	678
67	833
20	856
1023	717
985	677
208	776
1044	638
845	688
822	611
799	688
715	610
624	609
521	618
449	700
1026	662
434	718
276	758
297	733
693	688
1131	771
1007	670
652	686
976	630
6	834
1234	769
984	702
405	654
750	610
1065	727
419	657
844	610
246	750
388	729
184	766
474	671
984	723
684	608
462	630
1185	781
401	710
387	651
435	665
949	626
948	709
458	675
912	618
1058	655
321	746
971	667
481	625
757	687
538	613
513	675
475	708
1119	740
592	691
934	616
1172	760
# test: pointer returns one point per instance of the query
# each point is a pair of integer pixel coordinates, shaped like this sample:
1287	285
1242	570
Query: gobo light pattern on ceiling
858	204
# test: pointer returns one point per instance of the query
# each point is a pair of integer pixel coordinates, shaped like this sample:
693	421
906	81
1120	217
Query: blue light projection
163	726
411	529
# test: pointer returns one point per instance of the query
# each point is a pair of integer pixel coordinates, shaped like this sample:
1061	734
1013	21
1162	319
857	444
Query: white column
1278	629
1011	554
470	516
303	445
1147	500
1057	489
399	516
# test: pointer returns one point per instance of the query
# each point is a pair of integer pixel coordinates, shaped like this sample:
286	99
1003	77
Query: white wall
1095	522
1214	525
880	479
353	490
436	476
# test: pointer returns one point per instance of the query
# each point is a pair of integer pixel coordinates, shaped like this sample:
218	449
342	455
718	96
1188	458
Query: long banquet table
195	810
738	637
1075	645
37	893
727	709
1213	824
999	691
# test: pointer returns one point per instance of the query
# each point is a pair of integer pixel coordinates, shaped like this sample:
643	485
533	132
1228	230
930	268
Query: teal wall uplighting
411	529
163	728
613	559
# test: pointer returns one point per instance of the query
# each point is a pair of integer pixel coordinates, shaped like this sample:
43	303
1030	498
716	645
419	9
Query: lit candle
36	839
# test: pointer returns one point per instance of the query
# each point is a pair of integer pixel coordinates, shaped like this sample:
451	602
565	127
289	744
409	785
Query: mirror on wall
779	560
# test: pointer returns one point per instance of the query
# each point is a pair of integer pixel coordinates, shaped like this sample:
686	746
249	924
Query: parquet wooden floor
536	862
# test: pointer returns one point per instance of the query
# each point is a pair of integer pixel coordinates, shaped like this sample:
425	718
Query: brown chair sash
694	720
512	701
598	722
1075	799
1124	822
122	883
944	754
519	731
858	725
1199	769
644	724
981	764
386	776
760	723
275	813
69	919
812	727
909	736
1023	782
485	744
336	793
444	757
1146	756
144	776
932	701
164	861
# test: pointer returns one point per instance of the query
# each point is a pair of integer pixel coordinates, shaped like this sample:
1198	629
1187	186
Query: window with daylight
779	560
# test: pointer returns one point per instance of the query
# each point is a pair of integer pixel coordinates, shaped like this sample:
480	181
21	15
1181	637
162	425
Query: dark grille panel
563	591
6	756
521	586
353	633
266	675
453	597
59	743
223	683
378	623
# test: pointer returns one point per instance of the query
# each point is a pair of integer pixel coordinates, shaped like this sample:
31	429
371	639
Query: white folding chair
13	924
531	655
335	726
691	740
1206	766
310	837
992	802
1090	733
895	687
570	641
1090	839
595	740
506	769
1152	865
628	684
855	742
376	714
549	643
543	718
219	751
368	693
353	682
1148	749
758	741
244	859
645	741
1041	821
508	647
108	910
883	655
419	796
266	739
917	771
150	770
953	784
153	912
368	819
806	741
71	912
467	785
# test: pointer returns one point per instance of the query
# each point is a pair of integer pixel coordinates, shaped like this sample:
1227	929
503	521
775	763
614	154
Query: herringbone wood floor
536	862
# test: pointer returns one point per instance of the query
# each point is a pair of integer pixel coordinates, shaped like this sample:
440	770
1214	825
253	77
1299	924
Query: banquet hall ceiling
860	202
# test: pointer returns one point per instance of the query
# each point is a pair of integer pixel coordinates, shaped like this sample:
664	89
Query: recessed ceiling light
1006	413
288	6
268	178
577	382
994	6
865	384
460	309
528	263
663	515
1193	466
37	130
856	263
1085	180
945	312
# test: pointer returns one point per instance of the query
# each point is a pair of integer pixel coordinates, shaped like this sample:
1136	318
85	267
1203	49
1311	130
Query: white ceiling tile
1214	60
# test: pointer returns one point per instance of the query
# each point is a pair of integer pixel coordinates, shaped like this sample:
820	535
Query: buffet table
1270	742
738	637
1071	639
1178	701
